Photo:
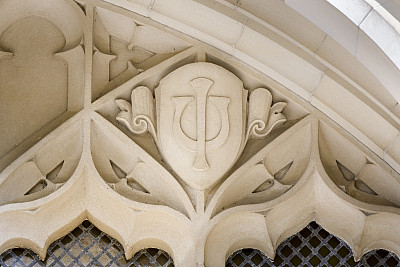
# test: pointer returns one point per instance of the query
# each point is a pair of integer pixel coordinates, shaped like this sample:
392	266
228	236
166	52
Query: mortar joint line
319	82
150	7
246	20
369	12
358	30
320	45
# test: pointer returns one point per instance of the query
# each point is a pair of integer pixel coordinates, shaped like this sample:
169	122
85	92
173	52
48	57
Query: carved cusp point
201	86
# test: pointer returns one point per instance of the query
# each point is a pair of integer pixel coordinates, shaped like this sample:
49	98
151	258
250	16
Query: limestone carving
261	121
41	71
125	48
201	120
163	141
355	173
138	117
45	171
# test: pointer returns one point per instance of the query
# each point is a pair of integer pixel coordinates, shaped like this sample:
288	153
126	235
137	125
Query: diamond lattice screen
312	246
88	246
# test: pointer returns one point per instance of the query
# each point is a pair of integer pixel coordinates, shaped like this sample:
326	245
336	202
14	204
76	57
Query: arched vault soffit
163	140
341	53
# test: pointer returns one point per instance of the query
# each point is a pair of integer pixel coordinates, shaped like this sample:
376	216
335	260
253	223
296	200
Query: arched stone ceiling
341	56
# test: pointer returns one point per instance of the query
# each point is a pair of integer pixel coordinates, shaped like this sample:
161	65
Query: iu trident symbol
201	86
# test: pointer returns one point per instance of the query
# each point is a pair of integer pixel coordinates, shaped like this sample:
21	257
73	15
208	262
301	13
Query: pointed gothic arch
308	137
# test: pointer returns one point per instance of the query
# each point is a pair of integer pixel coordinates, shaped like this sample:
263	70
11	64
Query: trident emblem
201	86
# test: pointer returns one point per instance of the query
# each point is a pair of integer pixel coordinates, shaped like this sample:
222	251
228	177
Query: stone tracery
147	191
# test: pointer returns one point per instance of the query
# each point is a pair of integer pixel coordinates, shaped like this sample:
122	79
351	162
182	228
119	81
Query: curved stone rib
224	239
314	201
358	173
138	225
59	213
31	176
243	182
162	186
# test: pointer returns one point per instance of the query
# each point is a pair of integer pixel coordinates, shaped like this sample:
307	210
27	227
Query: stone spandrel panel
188	150
125	48
41	71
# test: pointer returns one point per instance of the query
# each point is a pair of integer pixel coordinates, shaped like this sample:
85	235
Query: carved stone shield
201	115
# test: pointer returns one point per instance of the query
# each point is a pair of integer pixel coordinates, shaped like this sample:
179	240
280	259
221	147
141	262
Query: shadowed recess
312	246
86	245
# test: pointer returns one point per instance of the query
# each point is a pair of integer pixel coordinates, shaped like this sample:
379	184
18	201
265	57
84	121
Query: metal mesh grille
86	245
313	246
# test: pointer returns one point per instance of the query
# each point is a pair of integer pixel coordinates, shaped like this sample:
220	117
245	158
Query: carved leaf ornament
180	156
